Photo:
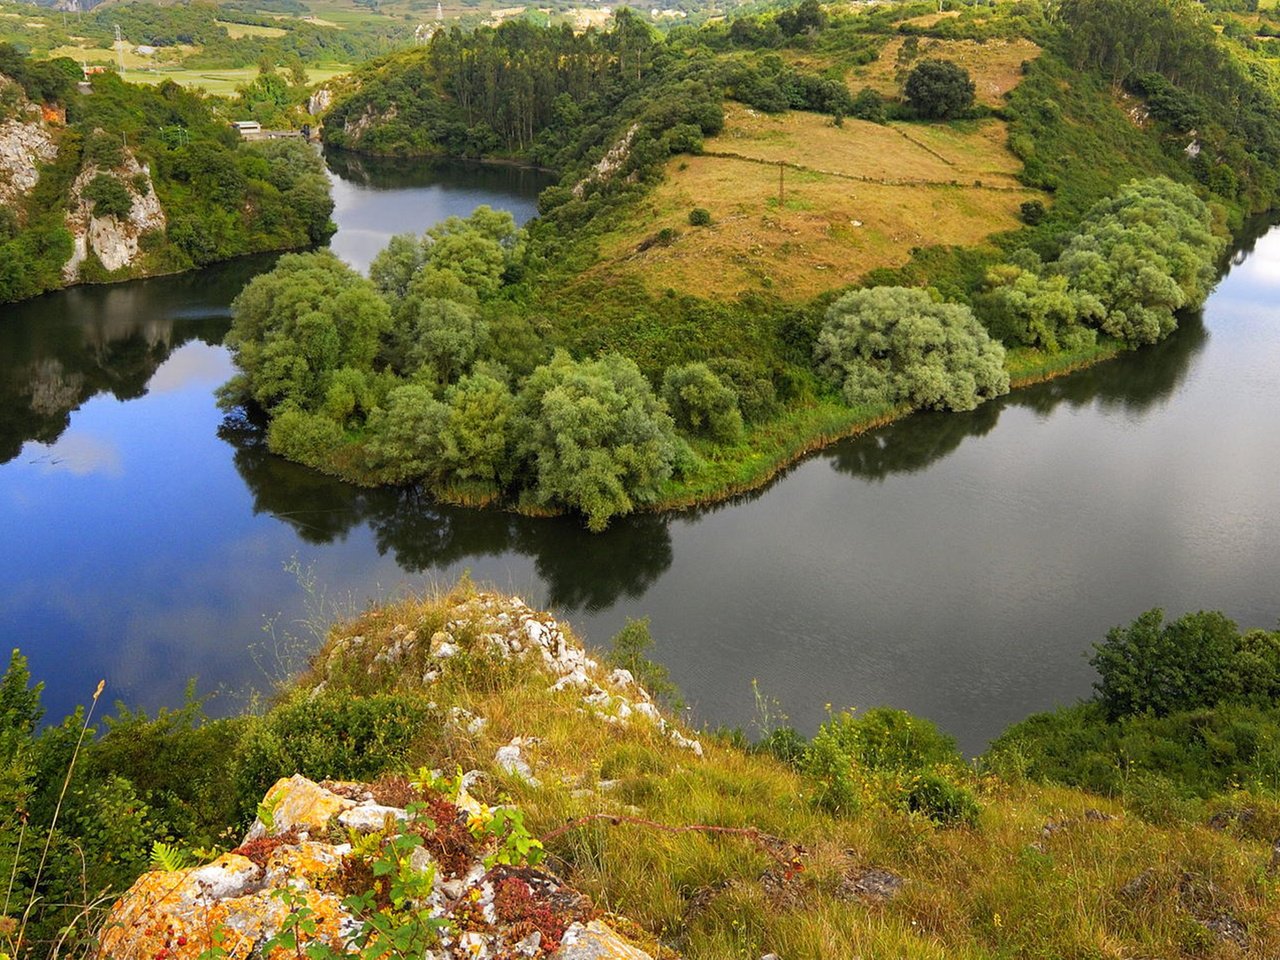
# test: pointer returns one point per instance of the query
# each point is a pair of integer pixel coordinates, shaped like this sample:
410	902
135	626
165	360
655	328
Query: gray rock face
113	240
24	145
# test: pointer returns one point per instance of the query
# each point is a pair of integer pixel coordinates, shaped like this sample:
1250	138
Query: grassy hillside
873	840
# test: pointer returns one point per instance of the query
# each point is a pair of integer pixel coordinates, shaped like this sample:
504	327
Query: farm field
223	83
854	198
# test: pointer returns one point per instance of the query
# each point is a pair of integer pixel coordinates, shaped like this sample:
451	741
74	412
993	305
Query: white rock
369	817
510	759
218	880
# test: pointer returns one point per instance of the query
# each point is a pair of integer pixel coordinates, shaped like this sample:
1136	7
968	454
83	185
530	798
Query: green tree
109	196
701	404
895	345
594	436
404	442
396	264
1141	256
445	337
939	89
298	324
475	438
1163	667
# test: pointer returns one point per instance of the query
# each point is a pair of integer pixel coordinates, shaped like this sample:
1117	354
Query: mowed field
853	198
223	83
995	65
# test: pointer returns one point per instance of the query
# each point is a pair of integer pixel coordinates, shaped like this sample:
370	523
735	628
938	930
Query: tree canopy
939	89
595	436
896	345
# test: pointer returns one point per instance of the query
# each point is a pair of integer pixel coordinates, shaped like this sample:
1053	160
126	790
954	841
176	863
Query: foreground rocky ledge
309	863
425	853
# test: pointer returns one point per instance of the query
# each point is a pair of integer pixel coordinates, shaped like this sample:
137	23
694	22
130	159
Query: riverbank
710	848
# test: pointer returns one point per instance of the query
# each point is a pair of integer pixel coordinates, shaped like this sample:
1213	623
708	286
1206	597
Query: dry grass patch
995	65
854	198
901	152
237	30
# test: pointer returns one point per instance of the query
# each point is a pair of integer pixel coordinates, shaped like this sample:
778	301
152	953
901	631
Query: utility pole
120	49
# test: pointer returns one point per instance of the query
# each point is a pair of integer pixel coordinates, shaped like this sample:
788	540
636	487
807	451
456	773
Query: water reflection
581	571
61	350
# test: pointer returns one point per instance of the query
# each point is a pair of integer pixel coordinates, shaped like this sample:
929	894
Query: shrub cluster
1134	261
1181	709
896	345
886	756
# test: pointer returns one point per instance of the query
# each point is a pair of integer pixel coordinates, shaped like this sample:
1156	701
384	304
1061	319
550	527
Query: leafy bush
629	650
886	756
701	404
869	105
895	345
327	735
1032	212
937	798
939	89
110	197
699	217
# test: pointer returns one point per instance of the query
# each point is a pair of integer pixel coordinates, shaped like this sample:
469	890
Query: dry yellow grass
931	153
996	65
237	30
855	198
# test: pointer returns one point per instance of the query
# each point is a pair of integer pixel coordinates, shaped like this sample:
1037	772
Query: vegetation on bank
220	198
1129	233
890	843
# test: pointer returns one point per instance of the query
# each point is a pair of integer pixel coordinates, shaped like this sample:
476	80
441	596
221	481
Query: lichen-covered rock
243	899
297	803
595	941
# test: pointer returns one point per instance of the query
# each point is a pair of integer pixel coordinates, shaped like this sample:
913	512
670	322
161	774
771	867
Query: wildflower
479	819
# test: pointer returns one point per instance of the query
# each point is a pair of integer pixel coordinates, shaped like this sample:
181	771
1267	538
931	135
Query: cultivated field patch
825	232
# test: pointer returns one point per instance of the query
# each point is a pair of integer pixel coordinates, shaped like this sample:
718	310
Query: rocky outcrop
506	627
610	163
353	128
112	239
25	143
319	101
320	850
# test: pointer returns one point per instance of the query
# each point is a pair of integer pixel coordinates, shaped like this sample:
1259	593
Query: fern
167	857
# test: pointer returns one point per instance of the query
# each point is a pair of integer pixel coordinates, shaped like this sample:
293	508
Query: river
956	565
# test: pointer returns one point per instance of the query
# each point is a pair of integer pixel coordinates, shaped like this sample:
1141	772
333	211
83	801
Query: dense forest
119	145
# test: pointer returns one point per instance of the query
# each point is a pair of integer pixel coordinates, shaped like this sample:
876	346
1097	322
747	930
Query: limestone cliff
25	143
114	240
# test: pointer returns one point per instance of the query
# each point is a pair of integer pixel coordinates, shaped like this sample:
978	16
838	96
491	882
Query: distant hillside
117	181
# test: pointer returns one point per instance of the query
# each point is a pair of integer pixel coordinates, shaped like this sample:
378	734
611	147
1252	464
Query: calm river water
958	566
